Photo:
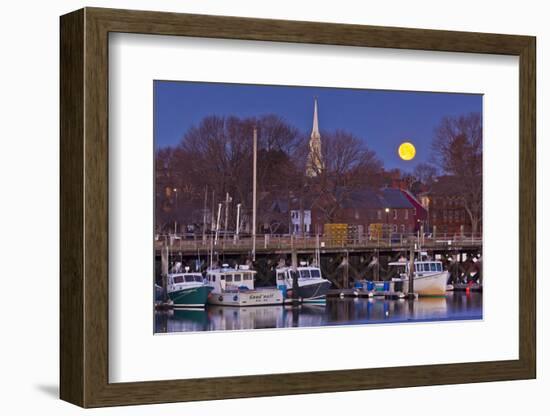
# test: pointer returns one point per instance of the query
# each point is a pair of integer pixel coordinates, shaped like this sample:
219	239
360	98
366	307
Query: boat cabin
424	266
286	274
227	279
185	278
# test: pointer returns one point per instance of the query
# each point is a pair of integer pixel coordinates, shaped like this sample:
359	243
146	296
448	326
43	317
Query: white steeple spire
314	158
315	131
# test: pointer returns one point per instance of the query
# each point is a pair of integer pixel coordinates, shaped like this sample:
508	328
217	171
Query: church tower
315	158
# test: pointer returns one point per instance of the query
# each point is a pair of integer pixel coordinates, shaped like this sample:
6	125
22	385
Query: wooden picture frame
84	207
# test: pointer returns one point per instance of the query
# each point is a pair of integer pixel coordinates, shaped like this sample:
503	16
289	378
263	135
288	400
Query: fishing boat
187	289
235	287
311	284
429	277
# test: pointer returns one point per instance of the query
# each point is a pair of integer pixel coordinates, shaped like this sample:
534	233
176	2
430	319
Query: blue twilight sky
383	119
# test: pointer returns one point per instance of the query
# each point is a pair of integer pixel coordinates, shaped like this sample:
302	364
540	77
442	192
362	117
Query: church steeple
315	131
314	158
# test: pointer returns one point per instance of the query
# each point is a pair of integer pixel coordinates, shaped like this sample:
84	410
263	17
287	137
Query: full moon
407	151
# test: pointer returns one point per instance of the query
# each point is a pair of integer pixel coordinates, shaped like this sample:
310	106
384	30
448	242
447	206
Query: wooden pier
343	262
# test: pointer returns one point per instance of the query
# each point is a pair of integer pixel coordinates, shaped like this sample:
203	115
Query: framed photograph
238	193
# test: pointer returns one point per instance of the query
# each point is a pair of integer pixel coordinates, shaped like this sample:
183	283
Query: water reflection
348	311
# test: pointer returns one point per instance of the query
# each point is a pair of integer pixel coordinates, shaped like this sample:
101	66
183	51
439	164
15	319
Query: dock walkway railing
287	243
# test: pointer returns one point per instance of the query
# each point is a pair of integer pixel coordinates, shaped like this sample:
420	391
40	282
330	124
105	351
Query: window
189	278
406	214
178	279
198	278
305	274
214	278
432	267
438	268
315	273
228	278
247	276
237	277
394	214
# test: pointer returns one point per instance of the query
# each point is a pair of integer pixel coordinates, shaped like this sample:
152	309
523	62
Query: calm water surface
348	311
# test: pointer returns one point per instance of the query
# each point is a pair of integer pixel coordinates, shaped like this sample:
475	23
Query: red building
445	208
393	210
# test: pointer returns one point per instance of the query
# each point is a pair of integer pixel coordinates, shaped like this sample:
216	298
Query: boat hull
194	297
313	291
247	298
429	285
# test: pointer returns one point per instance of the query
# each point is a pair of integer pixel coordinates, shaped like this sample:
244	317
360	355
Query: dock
464	287
362	293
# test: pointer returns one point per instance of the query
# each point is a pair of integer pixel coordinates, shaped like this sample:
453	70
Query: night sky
383	119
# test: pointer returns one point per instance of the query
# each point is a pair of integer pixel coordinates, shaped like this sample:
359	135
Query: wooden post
346	270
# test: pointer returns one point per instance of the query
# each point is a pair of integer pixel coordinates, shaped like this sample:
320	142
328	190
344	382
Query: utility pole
254	166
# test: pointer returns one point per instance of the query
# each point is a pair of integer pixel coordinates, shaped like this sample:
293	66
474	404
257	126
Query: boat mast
218	223
254	163
238	225
204	214
411	269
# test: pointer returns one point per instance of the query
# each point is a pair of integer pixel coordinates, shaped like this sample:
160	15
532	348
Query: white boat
311	284
429	277
235	287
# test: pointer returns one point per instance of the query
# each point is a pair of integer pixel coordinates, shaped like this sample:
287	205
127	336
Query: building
445	208
286	216
383	211
314	164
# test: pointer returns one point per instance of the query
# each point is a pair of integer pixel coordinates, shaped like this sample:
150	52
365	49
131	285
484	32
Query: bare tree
348	165
216	155
425	173
457	150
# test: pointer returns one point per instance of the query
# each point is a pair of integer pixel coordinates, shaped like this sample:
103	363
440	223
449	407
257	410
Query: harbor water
335	311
